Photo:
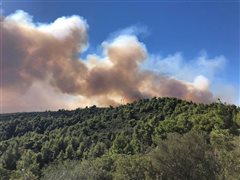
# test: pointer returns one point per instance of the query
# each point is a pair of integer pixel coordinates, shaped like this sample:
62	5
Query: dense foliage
159	138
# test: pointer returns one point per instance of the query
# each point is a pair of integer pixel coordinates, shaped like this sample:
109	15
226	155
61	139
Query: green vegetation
159	138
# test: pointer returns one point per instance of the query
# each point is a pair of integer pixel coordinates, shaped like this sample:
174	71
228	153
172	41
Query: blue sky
166	28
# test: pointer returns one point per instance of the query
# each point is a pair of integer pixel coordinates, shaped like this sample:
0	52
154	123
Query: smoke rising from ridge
47	55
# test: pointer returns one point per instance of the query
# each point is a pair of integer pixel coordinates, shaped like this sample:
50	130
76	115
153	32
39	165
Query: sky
195	43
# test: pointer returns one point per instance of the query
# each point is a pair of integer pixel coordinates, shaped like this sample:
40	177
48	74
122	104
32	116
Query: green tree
9	158
27	165
135	167
70	154
186	157
119	144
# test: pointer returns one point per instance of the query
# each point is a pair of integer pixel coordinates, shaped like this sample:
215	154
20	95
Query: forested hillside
159	138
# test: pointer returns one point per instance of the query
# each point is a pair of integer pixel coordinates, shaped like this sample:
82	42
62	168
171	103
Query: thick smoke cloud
46	56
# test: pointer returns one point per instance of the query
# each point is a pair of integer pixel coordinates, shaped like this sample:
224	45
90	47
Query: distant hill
159	138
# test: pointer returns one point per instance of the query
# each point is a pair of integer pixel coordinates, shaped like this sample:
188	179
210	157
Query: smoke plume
41	68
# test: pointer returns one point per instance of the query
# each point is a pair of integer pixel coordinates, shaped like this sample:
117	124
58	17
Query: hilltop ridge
33	141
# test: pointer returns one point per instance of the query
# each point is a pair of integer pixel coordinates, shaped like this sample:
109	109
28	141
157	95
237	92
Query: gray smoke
47	55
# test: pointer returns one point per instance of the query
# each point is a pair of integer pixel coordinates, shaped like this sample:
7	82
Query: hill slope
142	135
